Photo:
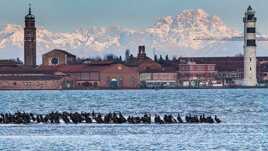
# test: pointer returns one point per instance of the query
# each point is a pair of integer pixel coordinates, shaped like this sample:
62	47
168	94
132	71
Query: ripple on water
244	112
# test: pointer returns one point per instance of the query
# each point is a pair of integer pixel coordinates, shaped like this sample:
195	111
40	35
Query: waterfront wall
30	84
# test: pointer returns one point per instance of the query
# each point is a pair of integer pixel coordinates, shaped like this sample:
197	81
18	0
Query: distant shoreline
178	88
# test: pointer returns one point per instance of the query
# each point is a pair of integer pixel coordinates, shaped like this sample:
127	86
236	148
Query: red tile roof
22	69
59	50
80	68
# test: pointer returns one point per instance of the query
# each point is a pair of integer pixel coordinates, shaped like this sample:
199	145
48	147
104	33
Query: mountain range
177	35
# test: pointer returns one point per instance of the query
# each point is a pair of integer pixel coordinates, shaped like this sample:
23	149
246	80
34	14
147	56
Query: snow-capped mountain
175	35
182	30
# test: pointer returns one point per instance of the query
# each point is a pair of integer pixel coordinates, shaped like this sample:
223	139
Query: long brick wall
30	85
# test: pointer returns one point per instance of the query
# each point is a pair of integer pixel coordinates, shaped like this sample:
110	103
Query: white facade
250	78
159	79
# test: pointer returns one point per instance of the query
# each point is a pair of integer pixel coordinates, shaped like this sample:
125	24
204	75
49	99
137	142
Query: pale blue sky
68	15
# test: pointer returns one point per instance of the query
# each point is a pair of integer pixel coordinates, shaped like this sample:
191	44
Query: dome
30	16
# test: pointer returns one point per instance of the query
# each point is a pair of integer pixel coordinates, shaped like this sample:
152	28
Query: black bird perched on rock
217	119
109	118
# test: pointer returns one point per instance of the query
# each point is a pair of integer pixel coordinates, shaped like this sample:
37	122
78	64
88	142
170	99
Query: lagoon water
244	113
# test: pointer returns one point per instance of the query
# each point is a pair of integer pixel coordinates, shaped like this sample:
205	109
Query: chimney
141	54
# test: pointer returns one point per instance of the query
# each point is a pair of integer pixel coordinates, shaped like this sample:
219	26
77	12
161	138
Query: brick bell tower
250	48
30	39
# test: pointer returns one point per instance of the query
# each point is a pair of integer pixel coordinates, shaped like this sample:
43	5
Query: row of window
30	24
230	75
196	75
29	39
92	76
197	67
88	84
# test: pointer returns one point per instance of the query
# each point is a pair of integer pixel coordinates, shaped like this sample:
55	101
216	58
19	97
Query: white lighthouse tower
250	78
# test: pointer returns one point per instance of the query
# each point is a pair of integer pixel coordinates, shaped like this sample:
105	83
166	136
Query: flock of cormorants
109	118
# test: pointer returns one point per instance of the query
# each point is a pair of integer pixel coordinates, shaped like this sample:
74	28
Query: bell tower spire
30	9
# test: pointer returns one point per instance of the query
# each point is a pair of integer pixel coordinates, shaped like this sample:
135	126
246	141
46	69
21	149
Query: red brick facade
192	71
101	76
149	64
58	57
126	77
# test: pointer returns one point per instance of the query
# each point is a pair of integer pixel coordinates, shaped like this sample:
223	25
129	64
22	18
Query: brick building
86	76
142	62
27	78
82	76
58	57
192	74
119	76
230	70
160	79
